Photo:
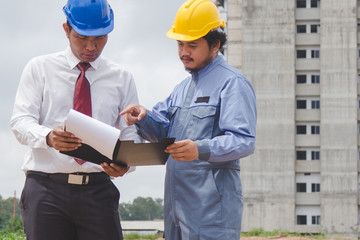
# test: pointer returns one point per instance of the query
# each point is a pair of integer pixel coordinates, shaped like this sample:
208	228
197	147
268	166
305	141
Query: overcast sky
34	27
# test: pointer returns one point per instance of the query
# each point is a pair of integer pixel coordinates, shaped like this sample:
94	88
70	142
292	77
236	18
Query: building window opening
300	104
300	155
315	129
301	28
315	53
220	3
301	129
314	3
300	187
301	219
315	220
315	79
301	53
301	3
315	104
315	187
315	28
301	79
315	155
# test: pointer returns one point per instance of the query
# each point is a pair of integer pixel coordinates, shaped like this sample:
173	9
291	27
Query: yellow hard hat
194	19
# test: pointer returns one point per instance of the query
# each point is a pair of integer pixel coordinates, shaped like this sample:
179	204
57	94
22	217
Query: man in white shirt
63	198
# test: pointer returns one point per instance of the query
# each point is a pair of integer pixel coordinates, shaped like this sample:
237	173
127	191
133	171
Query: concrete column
339	147
234	33
268	60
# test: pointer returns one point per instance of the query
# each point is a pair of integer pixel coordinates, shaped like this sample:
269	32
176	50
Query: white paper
92	132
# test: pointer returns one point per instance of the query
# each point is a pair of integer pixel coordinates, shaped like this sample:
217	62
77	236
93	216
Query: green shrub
141	237
259	232
13	236
13	226
255	232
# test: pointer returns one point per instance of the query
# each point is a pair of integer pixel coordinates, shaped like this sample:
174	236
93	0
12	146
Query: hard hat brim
182	37
93	32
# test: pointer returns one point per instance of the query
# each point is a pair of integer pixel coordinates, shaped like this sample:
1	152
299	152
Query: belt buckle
78	179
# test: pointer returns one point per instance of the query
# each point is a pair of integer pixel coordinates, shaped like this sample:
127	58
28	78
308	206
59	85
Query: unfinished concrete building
302	57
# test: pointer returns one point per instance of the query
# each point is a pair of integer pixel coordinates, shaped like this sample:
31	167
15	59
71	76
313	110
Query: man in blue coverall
212	115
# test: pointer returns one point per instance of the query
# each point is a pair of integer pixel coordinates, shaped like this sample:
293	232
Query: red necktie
82	96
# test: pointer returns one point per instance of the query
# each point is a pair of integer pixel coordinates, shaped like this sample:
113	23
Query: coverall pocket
202	121
197	197
204	111
216	233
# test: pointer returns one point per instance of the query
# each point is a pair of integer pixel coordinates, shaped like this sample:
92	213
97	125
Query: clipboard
101	144
126	153
142	154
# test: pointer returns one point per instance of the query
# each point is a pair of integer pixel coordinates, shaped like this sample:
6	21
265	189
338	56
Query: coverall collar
205	70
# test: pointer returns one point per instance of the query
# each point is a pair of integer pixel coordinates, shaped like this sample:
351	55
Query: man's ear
66	29
215	47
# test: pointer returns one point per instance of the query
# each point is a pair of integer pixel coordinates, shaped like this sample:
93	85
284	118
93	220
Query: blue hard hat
90	17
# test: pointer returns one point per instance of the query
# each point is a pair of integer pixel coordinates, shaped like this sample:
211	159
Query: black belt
73	178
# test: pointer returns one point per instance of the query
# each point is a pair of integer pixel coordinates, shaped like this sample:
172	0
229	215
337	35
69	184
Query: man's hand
114	170
133	113
62	140
185	150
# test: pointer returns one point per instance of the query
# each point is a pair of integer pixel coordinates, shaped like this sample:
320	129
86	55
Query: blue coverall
203	198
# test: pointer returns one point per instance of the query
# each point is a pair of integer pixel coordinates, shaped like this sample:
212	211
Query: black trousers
54	209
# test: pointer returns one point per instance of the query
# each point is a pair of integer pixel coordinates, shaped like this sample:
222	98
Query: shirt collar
73	61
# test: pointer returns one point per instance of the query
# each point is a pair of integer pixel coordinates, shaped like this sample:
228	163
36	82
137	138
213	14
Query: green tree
6	210
142	209
13	226
124	211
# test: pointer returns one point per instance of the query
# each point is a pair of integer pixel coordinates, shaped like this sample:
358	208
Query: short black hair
215	35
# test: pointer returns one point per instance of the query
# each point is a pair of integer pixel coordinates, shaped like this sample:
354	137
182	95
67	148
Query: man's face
196	54
85	48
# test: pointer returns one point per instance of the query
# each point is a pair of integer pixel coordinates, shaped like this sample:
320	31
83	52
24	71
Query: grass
259	232
136	236
133	236
13	236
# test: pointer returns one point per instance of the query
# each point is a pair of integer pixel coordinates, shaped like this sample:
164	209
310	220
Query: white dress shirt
45	96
